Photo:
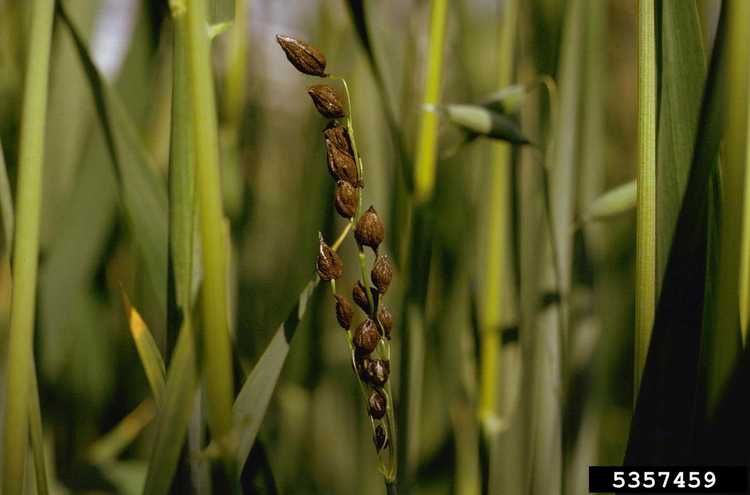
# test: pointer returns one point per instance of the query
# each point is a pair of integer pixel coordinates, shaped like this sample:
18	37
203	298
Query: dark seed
378	404
360	296
307	59
378	371
379	438
326	101
366	337
347	198
369	231
328	264
339	136
386	320
382	273
362	367
344	312
341	165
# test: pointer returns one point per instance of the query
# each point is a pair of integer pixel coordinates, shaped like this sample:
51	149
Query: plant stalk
216	344
645	274
26	247
426	158
498	238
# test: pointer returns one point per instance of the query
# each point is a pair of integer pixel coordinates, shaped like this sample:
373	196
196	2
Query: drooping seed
344	312
369	231
341	165
326	101
379	438
366	337
378	404
307	59
386	320
346	200
328	265
378	371
382	273
339	136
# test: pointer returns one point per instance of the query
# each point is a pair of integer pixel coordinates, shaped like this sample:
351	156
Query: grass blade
6	203
182	379
725	342
217	356
26	249
645	273
110	445
255	395
151	359
614	202
174	415
663	425
142	193
683	73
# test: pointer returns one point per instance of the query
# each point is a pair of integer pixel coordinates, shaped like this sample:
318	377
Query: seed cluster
369	339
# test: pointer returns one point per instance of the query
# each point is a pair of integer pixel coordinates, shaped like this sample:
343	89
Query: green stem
425	165
498	241
645	275
26	248
216	344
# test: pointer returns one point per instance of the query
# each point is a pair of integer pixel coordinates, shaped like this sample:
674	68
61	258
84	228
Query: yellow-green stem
26	248
645	275
427	141
216	344
498	228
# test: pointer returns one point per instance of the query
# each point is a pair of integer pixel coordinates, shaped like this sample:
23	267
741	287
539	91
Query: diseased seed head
344	312
378	371
341	165
379	438
328	265
369	231
366	337
326	101
339	136
347	198
307	59
378	404
382	273
386	320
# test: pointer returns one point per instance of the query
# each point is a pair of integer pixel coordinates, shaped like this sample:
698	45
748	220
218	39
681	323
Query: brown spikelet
379	438
326	101
339	136
386	320
369	231
366	337
378	371
341	165
382	273
344	312
360	296
346	199
378	404
307	59
328	265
